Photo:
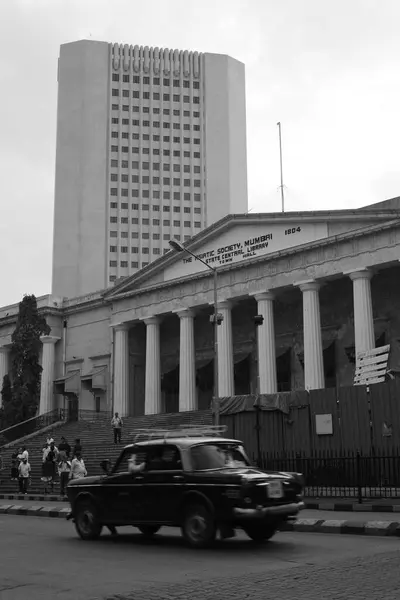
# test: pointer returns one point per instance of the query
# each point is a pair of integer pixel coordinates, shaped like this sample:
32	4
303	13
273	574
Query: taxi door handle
177	478
139	478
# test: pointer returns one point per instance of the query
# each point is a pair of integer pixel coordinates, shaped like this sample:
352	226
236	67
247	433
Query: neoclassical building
326	284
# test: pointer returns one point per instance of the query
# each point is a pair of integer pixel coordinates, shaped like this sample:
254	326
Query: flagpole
280	155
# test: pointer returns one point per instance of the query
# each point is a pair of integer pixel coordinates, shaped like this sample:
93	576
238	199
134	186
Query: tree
6	402
26	370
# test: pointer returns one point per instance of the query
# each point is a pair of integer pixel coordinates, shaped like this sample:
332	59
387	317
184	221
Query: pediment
239	238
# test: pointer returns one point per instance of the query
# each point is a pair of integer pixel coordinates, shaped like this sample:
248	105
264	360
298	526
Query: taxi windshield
218	456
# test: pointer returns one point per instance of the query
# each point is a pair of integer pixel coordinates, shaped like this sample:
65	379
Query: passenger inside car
133	465
165	458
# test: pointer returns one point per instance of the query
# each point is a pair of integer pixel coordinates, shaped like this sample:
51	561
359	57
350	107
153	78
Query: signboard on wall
324	424
245	242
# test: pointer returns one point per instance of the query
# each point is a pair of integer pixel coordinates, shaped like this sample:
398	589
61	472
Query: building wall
225	136
338	227
88	345
80	211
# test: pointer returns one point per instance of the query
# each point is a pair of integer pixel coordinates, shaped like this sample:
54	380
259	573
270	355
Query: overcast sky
329	70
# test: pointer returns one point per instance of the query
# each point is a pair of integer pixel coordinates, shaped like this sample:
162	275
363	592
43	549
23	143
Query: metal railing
342	476
20	430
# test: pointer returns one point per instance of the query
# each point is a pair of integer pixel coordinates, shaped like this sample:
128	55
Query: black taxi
192	478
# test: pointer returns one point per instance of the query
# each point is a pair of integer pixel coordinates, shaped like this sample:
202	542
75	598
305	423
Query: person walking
24	472
14	467
78	469
64	469
63	446
49	467
21	454
24	453
116	424
77	447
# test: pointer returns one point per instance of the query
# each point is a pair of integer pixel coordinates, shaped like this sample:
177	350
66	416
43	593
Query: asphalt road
42	558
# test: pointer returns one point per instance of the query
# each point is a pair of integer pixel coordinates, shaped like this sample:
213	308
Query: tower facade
151	146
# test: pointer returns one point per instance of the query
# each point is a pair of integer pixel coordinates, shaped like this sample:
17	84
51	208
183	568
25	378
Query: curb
33	497
34	511
370	528
309	505
351	507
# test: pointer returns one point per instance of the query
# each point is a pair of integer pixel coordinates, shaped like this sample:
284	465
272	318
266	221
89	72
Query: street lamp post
215	319
258	321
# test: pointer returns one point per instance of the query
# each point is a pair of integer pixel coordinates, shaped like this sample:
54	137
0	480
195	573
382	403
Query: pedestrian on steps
49	467
14	466
24	473
116	424
77	447
64	469
63	446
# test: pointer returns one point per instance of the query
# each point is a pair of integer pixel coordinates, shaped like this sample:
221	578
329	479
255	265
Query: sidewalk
309	521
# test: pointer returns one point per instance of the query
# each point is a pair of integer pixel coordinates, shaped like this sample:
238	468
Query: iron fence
351	475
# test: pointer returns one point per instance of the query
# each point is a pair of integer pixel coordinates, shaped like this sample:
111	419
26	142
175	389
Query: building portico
309	334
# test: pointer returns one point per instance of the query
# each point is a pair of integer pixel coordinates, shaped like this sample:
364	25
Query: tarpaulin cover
237	404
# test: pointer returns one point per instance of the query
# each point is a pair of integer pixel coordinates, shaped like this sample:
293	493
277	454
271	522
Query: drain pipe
64	356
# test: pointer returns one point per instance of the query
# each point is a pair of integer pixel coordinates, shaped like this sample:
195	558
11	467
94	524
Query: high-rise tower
151	146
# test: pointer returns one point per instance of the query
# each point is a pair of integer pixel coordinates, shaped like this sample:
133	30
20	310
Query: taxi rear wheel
149	530
198	528
87	522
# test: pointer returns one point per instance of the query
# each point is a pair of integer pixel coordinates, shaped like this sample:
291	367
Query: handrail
186	431
20	430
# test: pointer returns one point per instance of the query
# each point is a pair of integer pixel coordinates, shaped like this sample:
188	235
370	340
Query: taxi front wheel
87	521
198	528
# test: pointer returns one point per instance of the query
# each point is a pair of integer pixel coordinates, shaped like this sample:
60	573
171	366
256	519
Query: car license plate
274	489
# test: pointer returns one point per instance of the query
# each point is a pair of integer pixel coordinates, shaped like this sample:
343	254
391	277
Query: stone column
364	333
187	362
314	377
46	403
152	404
268	382
121	369
4	366
226	384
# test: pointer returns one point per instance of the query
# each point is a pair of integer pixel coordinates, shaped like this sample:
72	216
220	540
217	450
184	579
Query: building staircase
97	443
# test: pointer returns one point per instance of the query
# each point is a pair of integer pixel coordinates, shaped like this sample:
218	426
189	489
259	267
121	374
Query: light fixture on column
216	319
